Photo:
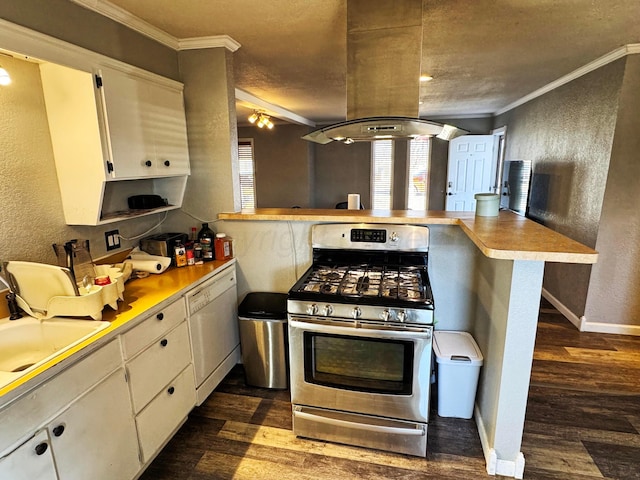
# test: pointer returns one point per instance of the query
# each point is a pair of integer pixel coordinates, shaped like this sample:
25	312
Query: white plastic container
458	360
487	204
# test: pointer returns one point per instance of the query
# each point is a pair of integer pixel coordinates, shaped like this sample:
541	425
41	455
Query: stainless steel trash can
262	317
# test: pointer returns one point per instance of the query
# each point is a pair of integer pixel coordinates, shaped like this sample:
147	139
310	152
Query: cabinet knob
148	163
170	390
41	448
59	430
160	316
164	342
167	163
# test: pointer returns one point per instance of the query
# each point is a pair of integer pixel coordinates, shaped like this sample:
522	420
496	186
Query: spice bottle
181	255
205	239
223	247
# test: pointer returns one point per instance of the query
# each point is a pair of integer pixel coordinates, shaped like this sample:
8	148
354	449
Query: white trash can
458	360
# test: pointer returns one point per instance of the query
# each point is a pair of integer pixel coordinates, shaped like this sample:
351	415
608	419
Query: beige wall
568	135
283	165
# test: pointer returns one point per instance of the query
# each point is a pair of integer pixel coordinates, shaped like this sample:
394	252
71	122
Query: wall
70	22
32	218
342	169
615	279
567	134
283	165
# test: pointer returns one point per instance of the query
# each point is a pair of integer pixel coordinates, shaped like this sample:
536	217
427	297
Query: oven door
361	367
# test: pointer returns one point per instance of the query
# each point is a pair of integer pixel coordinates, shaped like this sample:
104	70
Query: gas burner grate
400	283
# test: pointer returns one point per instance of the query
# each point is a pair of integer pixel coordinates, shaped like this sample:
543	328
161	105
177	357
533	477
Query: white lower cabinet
31	460
158	421
161	378
96	436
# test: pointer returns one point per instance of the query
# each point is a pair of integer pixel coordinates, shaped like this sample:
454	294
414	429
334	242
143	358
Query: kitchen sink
27	343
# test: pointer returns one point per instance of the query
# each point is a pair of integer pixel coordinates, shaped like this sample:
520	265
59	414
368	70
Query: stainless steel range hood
384	54
380	128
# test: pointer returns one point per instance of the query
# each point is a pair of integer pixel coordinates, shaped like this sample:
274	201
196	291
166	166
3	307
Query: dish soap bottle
205	239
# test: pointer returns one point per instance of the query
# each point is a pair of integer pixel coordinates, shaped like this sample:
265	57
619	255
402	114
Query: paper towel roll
353	202
151	266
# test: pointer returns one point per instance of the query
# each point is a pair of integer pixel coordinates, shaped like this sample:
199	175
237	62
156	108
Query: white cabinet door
95	438
165	117
154	368
146	127
165	413
32	460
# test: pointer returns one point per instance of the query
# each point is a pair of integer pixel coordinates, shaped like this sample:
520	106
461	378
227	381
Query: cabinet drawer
152	328
165	412
154	368
27	414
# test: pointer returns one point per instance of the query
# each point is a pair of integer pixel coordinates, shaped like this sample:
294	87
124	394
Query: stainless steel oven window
360	364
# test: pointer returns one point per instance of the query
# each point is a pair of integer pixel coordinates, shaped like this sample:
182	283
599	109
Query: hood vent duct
380	128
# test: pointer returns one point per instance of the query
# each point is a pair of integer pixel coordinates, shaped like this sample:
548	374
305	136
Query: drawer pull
160	316
170	390
59	430
164	342
41	448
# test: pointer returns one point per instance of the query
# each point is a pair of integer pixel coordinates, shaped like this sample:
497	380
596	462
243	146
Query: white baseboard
496	466
582	324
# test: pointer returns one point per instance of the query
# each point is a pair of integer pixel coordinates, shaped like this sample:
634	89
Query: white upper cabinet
146	126
115	134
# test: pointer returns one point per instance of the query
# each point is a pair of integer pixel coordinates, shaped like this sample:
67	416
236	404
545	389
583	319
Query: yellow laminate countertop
141	297
507	236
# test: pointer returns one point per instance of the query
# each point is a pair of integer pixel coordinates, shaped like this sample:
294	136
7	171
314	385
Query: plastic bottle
181	255
206	238
223	248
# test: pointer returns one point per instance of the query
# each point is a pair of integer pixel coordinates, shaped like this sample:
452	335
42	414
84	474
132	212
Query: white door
471	170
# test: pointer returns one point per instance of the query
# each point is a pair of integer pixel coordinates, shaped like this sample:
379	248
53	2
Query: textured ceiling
483	54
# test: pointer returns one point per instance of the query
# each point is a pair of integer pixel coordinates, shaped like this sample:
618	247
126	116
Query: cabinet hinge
98	81
109	167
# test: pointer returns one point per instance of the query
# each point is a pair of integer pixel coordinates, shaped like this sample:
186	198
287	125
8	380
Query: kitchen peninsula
486	275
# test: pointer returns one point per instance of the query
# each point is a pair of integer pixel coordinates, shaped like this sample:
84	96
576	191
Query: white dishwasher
212	310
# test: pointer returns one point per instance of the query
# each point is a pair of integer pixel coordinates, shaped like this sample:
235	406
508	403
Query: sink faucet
14	310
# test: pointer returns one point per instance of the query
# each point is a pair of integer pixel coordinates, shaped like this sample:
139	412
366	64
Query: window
418	174
247	176
381	174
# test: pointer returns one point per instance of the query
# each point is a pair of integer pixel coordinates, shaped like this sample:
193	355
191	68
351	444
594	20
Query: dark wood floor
583	423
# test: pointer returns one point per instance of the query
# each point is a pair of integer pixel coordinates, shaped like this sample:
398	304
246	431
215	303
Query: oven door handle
362	329
418	432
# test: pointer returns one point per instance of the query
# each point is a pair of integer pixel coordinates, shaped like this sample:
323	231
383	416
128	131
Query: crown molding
216	41
629	49
117	14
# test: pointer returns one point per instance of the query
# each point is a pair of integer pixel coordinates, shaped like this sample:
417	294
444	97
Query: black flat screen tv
515	185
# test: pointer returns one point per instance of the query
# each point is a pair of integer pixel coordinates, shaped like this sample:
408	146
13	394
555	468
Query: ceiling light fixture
5	78
260	119
426	78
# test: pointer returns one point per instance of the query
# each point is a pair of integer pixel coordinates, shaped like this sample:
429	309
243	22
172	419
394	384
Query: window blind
381	174
247	176
418	174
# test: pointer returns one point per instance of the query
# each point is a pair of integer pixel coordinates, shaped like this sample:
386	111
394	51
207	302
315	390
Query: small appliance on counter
163	244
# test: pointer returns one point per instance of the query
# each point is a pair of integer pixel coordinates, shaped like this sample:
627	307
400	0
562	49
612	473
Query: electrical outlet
112	239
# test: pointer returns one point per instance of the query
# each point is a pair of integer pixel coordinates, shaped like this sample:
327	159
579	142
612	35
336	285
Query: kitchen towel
353	202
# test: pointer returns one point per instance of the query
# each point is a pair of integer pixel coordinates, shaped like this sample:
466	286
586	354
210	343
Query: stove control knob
402	315
312	309
384	315
356	312
393	237
327	310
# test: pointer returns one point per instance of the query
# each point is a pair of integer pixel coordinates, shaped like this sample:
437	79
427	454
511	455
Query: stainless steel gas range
360	338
